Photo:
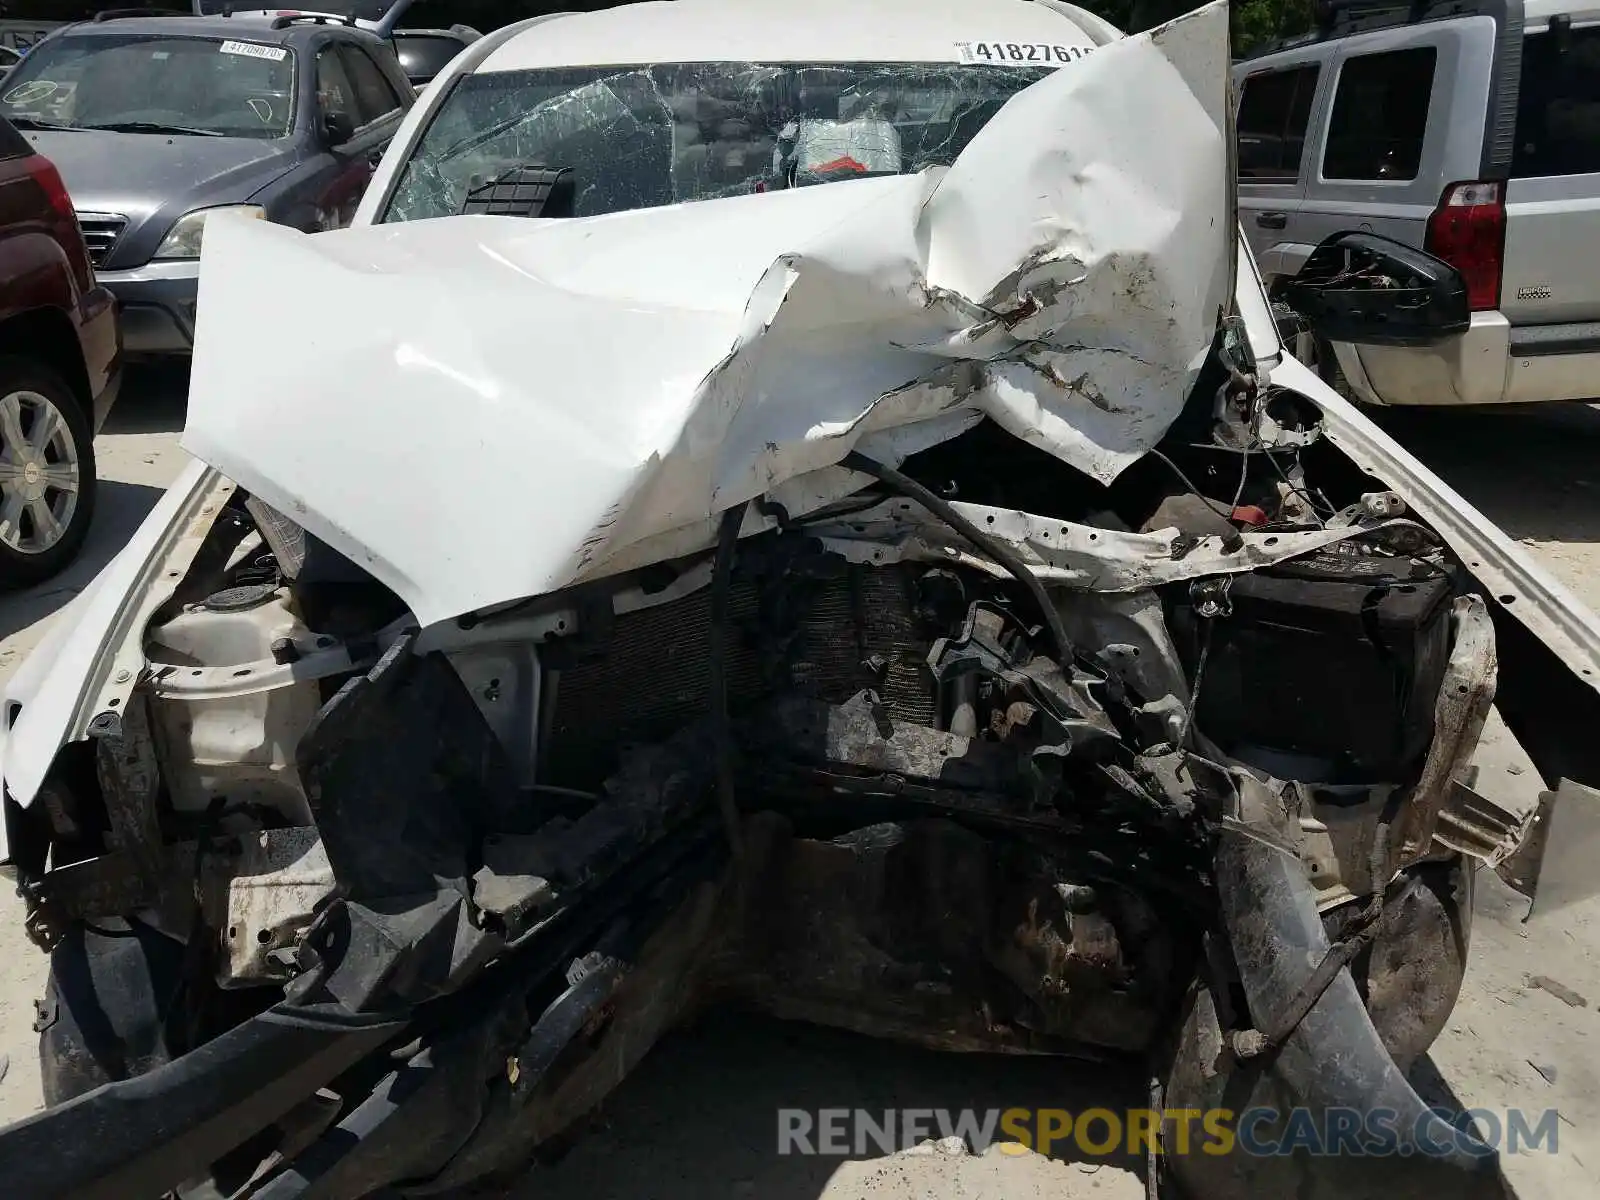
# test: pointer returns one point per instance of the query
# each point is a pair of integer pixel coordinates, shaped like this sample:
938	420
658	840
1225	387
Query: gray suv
1469	129
156	123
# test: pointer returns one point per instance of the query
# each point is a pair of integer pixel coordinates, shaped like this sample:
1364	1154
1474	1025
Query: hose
721	733
991	547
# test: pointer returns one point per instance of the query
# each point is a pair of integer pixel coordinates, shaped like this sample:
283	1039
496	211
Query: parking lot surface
699	1119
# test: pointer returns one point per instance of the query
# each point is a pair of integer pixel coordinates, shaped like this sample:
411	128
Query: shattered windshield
644	136
143	83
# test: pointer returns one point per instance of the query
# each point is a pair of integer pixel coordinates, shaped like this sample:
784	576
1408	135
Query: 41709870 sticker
1019	54
256	50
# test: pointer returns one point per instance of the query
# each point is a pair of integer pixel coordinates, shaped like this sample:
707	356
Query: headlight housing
183	239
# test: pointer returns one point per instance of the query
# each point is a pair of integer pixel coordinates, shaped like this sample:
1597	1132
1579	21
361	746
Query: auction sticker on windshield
1022	54
255	50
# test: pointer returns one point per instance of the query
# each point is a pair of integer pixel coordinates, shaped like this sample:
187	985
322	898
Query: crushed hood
480	409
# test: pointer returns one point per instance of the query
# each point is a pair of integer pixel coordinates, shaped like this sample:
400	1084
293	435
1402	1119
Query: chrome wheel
40	473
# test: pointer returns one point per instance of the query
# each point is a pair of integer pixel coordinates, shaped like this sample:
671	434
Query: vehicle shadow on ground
701	1117
1534	470
120	508
154	399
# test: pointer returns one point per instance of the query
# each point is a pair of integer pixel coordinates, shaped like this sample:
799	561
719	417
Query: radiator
827	638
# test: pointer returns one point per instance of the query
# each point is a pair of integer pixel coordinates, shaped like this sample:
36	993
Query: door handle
1271	220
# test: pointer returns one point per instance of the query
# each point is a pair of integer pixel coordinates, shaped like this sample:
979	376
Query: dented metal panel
1063	278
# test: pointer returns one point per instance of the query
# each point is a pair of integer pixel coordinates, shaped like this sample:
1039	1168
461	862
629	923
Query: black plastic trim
1505	88
143	1136
1541	341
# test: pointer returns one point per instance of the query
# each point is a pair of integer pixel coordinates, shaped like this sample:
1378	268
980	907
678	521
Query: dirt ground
699	1119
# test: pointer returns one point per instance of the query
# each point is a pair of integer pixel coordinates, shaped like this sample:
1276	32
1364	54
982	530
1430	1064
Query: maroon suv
60	367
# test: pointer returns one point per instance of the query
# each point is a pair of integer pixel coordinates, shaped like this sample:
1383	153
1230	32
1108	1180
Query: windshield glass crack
647	136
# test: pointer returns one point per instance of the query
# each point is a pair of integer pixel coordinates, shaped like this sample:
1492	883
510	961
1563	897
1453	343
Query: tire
32	550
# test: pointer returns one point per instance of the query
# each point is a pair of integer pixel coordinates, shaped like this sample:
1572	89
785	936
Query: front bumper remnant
157	304
141	1137
1331	1074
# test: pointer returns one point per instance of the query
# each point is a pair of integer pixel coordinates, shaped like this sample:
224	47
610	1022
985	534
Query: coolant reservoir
229	722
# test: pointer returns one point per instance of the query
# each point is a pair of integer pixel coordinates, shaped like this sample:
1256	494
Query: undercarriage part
482	1090
926	932
840	765
1460	709
1334	1058
142	1136
277	880
1411	971
1333	659
1344	839
654	993
403	775
414	1119
1476	826
106	1007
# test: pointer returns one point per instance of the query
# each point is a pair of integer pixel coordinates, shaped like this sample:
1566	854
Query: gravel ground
698	1119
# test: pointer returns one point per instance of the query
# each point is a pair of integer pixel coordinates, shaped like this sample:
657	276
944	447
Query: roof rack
315	18
117	14
1341	18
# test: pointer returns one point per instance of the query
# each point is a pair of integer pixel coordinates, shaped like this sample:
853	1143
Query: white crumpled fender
72	674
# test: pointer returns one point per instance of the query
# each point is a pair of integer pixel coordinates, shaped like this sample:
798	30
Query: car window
153	83
1380	114
641	136
425	55
1558	108
335	94
1274	110
374	98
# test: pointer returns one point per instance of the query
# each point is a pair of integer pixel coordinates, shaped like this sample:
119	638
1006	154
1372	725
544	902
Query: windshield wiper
35	123
150	127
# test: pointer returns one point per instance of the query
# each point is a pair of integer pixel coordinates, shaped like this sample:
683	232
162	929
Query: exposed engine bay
927	604
986	757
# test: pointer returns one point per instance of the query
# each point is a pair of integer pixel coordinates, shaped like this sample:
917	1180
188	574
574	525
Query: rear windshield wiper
150	127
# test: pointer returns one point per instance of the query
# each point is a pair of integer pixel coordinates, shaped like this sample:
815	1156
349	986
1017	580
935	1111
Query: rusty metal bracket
1463	705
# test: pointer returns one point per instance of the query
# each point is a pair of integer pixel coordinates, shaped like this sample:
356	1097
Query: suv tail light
49	180
1468	231
68	233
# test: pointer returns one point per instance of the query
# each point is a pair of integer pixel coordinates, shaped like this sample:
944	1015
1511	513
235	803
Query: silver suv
1469	129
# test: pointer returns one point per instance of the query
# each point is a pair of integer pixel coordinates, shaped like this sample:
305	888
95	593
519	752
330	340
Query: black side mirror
337	128
1371	290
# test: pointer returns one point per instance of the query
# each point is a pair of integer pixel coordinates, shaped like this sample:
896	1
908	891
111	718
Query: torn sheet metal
483	409
1067	553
